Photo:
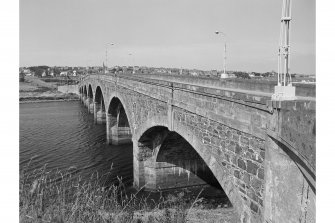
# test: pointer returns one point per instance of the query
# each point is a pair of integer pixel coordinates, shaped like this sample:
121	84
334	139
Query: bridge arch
99	106
90	97
149	149
118	126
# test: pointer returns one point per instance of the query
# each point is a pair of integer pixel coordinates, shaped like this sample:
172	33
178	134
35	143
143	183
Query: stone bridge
190	131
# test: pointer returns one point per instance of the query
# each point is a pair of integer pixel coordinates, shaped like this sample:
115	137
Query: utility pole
108	44
224	54
284	89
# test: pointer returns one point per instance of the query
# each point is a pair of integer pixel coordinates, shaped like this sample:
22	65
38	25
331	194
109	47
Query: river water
61	135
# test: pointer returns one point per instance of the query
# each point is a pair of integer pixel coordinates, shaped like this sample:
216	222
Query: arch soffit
102	92
126	109
90	85
211	162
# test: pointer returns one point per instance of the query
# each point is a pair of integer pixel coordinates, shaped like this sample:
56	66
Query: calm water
63	135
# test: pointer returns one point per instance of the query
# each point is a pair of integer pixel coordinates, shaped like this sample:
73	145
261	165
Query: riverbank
33	89
56	196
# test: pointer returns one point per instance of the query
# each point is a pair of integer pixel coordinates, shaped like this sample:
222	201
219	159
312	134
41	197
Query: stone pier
115	134
99	113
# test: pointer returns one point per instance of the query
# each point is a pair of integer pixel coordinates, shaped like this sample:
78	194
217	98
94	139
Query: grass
63	196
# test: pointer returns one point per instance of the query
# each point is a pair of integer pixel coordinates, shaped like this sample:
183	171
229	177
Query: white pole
225	58
225	52
111	44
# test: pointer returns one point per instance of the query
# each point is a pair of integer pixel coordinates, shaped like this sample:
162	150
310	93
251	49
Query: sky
165	33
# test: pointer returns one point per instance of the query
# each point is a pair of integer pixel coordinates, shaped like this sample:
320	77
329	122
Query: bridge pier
90	105
99	114
83	99
115	134
86	102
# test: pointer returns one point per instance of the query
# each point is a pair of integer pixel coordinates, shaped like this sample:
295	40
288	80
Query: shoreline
46	100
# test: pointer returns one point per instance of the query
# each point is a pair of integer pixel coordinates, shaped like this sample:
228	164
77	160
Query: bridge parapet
260	86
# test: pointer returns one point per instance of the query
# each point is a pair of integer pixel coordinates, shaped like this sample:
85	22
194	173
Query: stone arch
99	106
89	99
223	177
118	125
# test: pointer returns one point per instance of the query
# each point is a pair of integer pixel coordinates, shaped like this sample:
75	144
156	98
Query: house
224	75
27	72
63	73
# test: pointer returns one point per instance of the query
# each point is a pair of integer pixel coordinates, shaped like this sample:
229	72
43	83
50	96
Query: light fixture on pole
108	44
224	75
284	89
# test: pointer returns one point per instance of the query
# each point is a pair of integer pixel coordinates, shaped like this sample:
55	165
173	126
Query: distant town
66	71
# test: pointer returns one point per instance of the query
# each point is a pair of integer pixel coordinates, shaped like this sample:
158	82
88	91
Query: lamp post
284	89
130	54
225	52
108	44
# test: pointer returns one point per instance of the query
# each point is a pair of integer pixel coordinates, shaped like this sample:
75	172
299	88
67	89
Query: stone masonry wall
241	154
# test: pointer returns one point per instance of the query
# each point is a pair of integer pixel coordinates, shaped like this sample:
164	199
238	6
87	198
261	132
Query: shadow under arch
145	154
90	91
163	154
99	106
117	123
85	91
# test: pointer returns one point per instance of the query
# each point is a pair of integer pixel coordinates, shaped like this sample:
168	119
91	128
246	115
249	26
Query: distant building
63	73
224	75
27	72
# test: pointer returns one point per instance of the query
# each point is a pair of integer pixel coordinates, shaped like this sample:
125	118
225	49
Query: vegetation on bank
36	89
58	196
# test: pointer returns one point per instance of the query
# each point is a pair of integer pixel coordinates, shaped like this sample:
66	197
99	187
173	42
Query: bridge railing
261	87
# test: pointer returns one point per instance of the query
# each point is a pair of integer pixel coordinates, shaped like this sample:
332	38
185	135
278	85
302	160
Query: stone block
256	184
252	195
244	140
241	164
253	207
237	174
238	149
261	173
252	168
246	178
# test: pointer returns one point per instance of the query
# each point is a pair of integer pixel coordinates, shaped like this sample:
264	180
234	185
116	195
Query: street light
225	51
108	44
130	54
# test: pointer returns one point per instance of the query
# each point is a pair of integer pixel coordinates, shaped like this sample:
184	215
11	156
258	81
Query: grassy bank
60	196
34	89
